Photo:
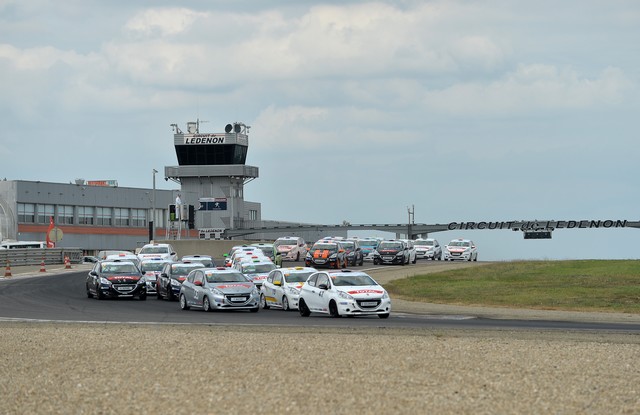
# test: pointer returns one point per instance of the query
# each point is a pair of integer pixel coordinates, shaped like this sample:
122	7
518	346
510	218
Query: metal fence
35	256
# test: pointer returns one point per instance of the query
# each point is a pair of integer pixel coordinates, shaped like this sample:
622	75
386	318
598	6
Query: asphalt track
62	297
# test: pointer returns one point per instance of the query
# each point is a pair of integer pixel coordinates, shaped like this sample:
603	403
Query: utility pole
411	212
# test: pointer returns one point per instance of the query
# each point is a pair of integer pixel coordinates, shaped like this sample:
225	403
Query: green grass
586	285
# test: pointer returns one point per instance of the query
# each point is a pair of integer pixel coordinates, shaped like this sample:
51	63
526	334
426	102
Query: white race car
282	287
462	249
343	293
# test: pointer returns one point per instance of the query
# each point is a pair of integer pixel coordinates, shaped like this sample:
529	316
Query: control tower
213	167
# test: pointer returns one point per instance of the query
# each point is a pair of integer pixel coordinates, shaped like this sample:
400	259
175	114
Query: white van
163	251
292	248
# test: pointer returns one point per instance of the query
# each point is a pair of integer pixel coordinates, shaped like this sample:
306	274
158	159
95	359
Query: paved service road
62	297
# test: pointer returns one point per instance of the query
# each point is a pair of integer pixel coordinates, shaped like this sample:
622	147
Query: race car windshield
424	243
352	280
284	243
204	261
298	276
459	243
155	250
119	269
257	268
325	247
348	246
226	277
152	266
181	270
390	245
369	243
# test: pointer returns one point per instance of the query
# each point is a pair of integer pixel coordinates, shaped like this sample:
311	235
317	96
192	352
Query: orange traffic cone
67	263
7	272
42	269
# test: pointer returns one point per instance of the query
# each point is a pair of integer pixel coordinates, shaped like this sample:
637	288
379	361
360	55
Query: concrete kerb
35	270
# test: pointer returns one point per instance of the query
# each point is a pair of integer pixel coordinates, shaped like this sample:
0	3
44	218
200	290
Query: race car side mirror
323	287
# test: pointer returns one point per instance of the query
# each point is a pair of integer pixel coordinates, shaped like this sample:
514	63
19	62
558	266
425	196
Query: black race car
116	278
172	276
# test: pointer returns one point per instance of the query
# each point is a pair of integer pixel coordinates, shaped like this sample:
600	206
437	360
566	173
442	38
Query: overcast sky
464	110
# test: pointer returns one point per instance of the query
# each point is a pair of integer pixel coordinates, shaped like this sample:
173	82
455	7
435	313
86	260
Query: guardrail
35	256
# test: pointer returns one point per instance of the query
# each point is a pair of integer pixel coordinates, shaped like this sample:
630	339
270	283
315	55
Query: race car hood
457	248
257	278
296	285
123	279
180	278
322	253
234	287
388	251
285	248
363	292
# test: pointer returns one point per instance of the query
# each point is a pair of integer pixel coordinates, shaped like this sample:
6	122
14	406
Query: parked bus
22	244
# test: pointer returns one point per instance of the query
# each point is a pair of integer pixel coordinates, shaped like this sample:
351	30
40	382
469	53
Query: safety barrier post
7	272
42	269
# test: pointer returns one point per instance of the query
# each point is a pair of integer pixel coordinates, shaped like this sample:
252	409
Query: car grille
124	288
366	304
237	298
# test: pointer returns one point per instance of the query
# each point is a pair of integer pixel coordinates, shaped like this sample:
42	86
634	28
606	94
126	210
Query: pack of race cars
253	276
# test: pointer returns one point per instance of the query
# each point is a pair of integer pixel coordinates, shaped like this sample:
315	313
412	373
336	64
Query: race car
428	248
462	249
206	260
391	252
292	248
282	287
171	278
155	250
218	289
151	269
256	270
326	253
339	293
115	278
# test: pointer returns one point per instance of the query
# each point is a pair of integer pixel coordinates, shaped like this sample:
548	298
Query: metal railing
35	256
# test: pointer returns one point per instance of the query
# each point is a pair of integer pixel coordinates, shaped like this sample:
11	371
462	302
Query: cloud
532	88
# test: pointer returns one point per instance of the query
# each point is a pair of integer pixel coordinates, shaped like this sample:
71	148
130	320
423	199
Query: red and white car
343	293
460	249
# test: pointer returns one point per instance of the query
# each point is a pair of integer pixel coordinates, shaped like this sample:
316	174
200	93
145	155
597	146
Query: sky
488	110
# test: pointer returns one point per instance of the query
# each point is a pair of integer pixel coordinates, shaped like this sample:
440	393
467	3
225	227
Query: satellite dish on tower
228	128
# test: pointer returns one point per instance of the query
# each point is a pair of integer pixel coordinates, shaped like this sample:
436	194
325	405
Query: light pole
153	207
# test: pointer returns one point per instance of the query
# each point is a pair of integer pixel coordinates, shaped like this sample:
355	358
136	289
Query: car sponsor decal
123	278
233	286
324	253
365	292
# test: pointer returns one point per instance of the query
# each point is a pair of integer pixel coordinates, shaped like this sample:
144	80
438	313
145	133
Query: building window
26	212
65	215
45	212
103	216
121	216
253	214
85	215
139	217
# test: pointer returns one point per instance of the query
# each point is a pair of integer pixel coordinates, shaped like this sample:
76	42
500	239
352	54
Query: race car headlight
344	295
385	295
141	281
308	256
175	283
216	291
105	281
333	256
400	253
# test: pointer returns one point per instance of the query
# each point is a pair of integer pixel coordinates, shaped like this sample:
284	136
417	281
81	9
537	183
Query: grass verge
585	285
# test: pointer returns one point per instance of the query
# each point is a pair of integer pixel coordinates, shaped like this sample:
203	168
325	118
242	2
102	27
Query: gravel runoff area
78	368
